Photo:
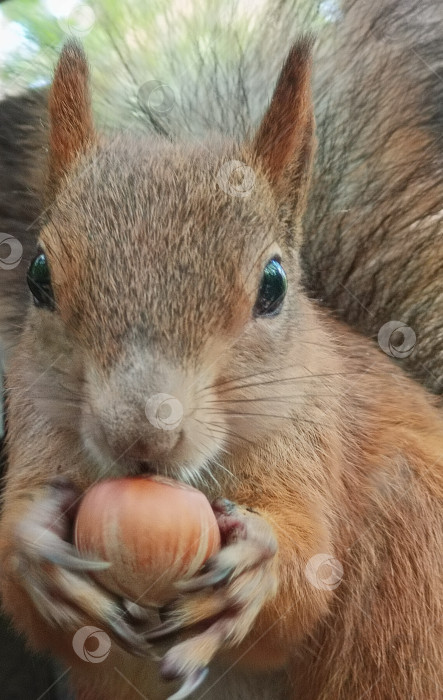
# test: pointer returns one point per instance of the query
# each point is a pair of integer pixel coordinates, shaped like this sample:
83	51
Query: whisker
247	415
307	377
268	398
292	419
246	376
49	400
214	460
236	436
274	381
206	468
204	425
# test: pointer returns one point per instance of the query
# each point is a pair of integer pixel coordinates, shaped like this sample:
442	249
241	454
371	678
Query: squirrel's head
167	276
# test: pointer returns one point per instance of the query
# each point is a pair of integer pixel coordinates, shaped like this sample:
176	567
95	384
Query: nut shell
153	531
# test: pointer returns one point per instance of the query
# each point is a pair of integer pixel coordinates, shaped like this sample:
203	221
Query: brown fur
23	139
70	112
374	247
286	148
372	228
155	272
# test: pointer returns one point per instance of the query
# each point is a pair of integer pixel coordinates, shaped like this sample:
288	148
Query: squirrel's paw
222	603
56	578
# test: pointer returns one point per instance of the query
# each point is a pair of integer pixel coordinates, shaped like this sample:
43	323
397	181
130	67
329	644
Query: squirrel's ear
284	143
71	128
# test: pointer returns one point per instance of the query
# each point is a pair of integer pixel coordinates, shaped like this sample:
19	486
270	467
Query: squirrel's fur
373	225
155	270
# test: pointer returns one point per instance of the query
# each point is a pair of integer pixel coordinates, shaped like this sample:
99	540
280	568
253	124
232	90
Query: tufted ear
71	128
285	142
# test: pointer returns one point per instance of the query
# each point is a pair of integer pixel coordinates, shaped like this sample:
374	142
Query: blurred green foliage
129	42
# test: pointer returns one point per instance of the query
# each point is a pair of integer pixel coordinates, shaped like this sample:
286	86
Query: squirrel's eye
39	282
272	290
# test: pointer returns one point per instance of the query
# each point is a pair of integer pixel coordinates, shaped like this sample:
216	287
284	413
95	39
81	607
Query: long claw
211	578
163	630
43	542
138	612
65	555
134	643
192	682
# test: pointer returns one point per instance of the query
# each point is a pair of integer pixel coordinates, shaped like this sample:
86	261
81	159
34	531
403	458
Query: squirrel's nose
139	413
145	450
137	441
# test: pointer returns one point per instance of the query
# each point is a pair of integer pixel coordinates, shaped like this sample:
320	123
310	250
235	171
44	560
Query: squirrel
371	250
153	273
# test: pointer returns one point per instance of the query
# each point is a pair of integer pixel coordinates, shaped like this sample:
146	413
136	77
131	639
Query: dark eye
272	290
39	282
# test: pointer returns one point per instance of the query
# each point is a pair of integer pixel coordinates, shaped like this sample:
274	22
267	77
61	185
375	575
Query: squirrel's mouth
177	463
146	467
122	449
